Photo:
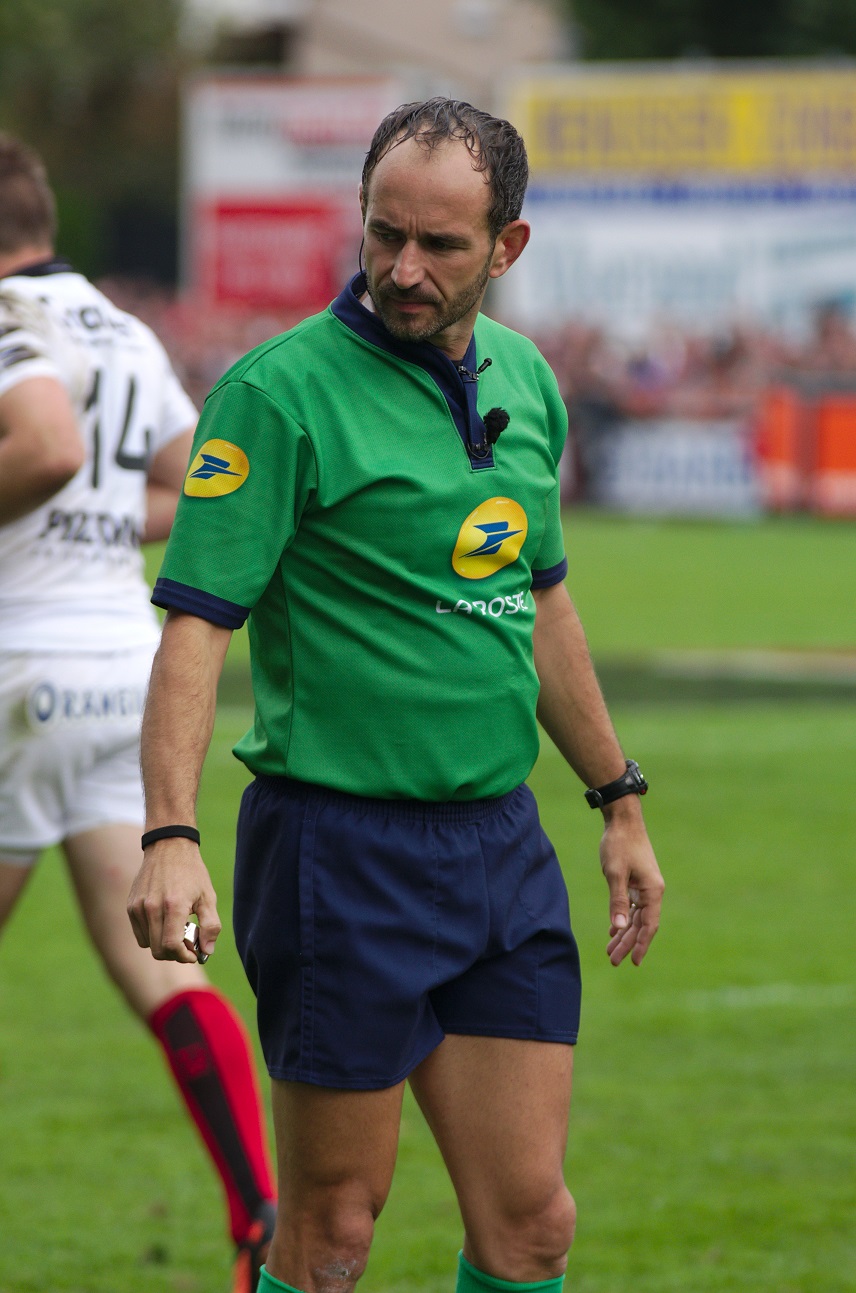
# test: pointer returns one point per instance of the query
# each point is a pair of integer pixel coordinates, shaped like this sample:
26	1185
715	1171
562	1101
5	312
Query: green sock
471	1280
269	1283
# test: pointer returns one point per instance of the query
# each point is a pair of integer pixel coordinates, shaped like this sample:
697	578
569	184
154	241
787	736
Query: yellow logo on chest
491	537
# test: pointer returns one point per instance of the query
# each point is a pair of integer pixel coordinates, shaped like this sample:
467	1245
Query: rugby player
377	492
95	433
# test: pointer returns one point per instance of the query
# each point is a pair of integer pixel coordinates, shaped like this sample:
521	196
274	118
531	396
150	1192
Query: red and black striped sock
208	1050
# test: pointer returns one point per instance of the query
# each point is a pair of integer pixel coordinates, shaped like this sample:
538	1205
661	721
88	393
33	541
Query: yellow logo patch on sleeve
219	468
491	537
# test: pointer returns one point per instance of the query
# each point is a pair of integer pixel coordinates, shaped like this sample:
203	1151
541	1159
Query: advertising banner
271	174
675	467
698	197
750	121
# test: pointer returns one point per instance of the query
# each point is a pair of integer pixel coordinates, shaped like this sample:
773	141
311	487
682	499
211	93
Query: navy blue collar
55	265
457	382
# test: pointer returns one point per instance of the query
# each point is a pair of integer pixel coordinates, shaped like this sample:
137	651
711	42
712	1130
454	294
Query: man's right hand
172	884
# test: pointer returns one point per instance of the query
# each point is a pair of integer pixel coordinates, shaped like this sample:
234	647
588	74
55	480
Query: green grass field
714	1120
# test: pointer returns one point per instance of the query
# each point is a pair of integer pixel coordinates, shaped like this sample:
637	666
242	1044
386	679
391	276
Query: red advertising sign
290	255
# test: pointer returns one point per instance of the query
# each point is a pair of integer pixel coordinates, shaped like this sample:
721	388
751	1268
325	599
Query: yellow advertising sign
749	122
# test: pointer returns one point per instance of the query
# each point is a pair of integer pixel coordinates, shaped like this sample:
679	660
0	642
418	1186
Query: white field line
766	995
783	666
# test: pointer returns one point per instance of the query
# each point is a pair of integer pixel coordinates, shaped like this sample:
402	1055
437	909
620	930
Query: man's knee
547	1233
529	1242
560	1223
324	1249
347	1239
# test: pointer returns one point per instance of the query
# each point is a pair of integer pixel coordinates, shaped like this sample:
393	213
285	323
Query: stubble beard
441	315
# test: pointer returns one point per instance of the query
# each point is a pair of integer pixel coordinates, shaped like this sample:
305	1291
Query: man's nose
408	270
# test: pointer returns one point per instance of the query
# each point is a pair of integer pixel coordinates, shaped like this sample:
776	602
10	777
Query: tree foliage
93	86
663	29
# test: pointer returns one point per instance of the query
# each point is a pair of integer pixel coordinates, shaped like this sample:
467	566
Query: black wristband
170	832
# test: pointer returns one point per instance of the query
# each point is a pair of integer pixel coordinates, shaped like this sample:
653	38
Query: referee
376	492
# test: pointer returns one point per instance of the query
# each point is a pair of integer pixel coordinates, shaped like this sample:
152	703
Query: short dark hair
27	205
494	145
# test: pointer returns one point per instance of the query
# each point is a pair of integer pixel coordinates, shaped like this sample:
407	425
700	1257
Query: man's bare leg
336	1154
498	1109
14	876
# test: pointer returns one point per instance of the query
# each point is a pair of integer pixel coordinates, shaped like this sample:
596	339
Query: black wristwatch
632	783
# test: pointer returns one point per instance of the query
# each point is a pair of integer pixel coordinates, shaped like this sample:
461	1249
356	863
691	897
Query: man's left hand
635	884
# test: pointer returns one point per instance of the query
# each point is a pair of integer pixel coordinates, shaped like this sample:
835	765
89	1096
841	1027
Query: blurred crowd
201	342
676	374
673	375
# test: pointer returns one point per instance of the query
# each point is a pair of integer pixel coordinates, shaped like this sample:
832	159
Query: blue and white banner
673	467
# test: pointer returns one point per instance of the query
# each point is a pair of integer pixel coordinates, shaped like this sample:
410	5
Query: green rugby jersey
343	497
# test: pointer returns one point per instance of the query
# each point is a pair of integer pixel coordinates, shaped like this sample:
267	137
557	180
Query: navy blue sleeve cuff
170	595
552	575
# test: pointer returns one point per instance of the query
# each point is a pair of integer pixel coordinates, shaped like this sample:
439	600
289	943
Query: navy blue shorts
371	928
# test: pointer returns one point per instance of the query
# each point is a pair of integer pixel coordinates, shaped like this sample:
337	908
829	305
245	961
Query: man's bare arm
573	712
177	726
40	445
164	482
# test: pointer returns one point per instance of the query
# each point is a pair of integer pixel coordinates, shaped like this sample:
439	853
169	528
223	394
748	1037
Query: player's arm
40	445
573	712
164	482
177	725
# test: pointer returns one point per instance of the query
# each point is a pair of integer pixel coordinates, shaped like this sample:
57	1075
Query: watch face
635	773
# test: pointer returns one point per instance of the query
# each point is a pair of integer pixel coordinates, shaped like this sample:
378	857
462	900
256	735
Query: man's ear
509	245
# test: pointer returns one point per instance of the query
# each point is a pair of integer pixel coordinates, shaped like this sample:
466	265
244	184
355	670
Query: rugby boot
253	1250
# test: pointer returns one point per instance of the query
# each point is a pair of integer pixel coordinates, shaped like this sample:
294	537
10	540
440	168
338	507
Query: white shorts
69	745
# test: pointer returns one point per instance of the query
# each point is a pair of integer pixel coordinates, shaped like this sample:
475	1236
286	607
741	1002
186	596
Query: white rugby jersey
71	572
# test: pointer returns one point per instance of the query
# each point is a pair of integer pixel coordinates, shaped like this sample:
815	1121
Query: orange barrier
832	489
780	447
806	451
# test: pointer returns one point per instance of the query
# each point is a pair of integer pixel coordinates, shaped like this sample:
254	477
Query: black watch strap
632	783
